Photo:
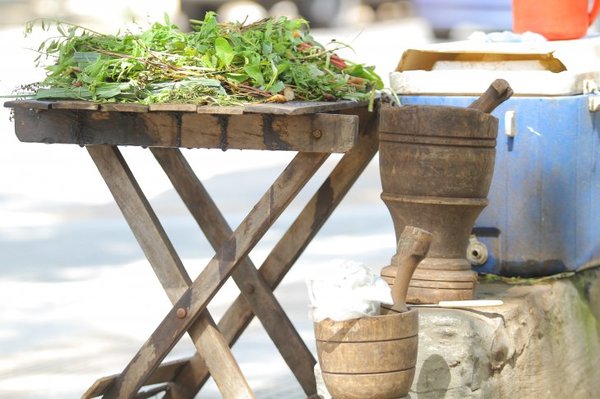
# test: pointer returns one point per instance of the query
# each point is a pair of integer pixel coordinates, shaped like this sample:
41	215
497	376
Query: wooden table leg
193	302
182	372
256	291
164	376
169	268
293	243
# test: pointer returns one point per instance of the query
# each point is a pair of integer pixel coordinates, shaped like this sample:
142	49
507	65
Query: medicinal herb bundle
272	60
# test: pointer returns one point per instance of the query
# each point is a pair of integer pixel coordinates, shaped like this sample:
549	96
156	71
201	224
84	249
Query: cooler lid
553	68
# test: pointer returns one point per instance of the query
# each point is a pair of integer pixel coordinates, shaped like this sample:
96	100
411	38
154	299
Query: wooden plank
255	290
173	107
324	201
79	105
96	127
301	232
313	133
165	373
290	108
169	269
236	248
141	219
39	125
30	104
220	110
302	108
123	107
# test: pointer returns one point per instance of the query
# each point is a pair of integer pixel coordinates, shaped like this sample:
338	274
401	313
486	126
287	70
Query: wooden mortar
375	357
436	165
369	357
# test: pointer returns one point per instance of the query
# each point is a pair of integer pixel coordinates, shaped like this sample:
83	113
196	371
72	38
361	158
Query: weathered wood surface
75	105
301	232
311	133
300	108
220	110
369	357
429	283
498	92
166	373
412	248
31	104
285	253
169	269
289	108
119	107
280	260
197	296
368	345
314	133
173	107
256	291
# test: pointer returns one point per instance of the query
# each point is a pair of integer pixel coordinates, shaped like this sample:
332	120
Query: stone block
543	342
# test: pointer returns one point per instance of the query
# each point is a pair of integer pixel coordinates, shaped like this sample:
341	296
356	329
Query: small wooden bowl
370	357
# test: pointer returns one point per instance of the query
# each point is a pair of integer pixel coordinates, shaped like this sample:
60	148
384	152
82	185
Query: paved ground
77	298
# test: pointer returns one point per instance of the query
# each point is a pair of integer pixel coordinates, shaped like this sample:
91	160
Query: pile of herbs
272	60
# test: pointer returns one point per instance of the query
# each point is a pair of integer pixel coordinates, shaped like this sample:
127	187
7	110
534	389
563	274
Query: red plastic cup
554	19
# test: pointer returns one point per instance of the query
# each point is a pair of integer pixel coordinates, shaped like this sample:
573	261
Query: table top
293	126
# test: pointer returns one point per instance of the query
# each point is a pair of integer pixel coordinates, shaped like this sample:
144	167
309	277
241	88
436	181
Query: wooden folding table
313	130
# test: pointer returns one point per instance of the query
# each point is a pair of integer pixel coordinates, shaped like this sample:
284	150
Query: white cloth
346	291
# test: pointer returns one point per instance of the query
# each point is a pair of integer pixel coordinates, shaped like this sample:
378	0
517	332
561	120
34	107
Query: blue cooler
543	216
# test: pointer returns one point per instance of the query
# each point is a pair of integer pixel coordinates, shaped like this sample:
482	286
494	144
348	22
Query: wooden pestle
413	246
498	92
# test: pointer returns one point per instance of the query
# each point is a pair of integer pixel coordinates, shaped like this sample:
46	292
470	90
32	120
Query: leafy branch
216	63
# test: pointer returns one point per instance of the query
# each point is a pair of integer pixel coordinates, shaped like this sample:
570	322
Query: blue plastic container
544	212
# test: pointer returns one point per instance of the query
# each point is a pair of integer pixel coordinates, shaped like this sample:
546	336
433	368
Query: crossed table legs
183	379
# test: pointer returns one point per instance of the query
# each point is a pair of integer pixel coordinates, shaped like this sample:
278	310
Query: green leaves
368	73
224	52
217	63
85	57
105	92
276	87
254	72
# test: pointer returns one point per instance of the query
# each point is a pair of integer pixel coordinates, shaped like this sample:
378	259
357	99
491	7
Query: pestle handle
498	92
413	246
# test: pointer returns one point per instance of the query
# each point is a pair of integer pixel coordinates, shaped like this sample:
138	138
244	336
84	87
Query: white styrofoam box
468	67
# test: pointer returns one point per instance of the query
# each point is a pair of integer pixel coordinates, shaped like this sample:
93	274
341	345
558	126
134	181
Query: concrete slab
543	342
